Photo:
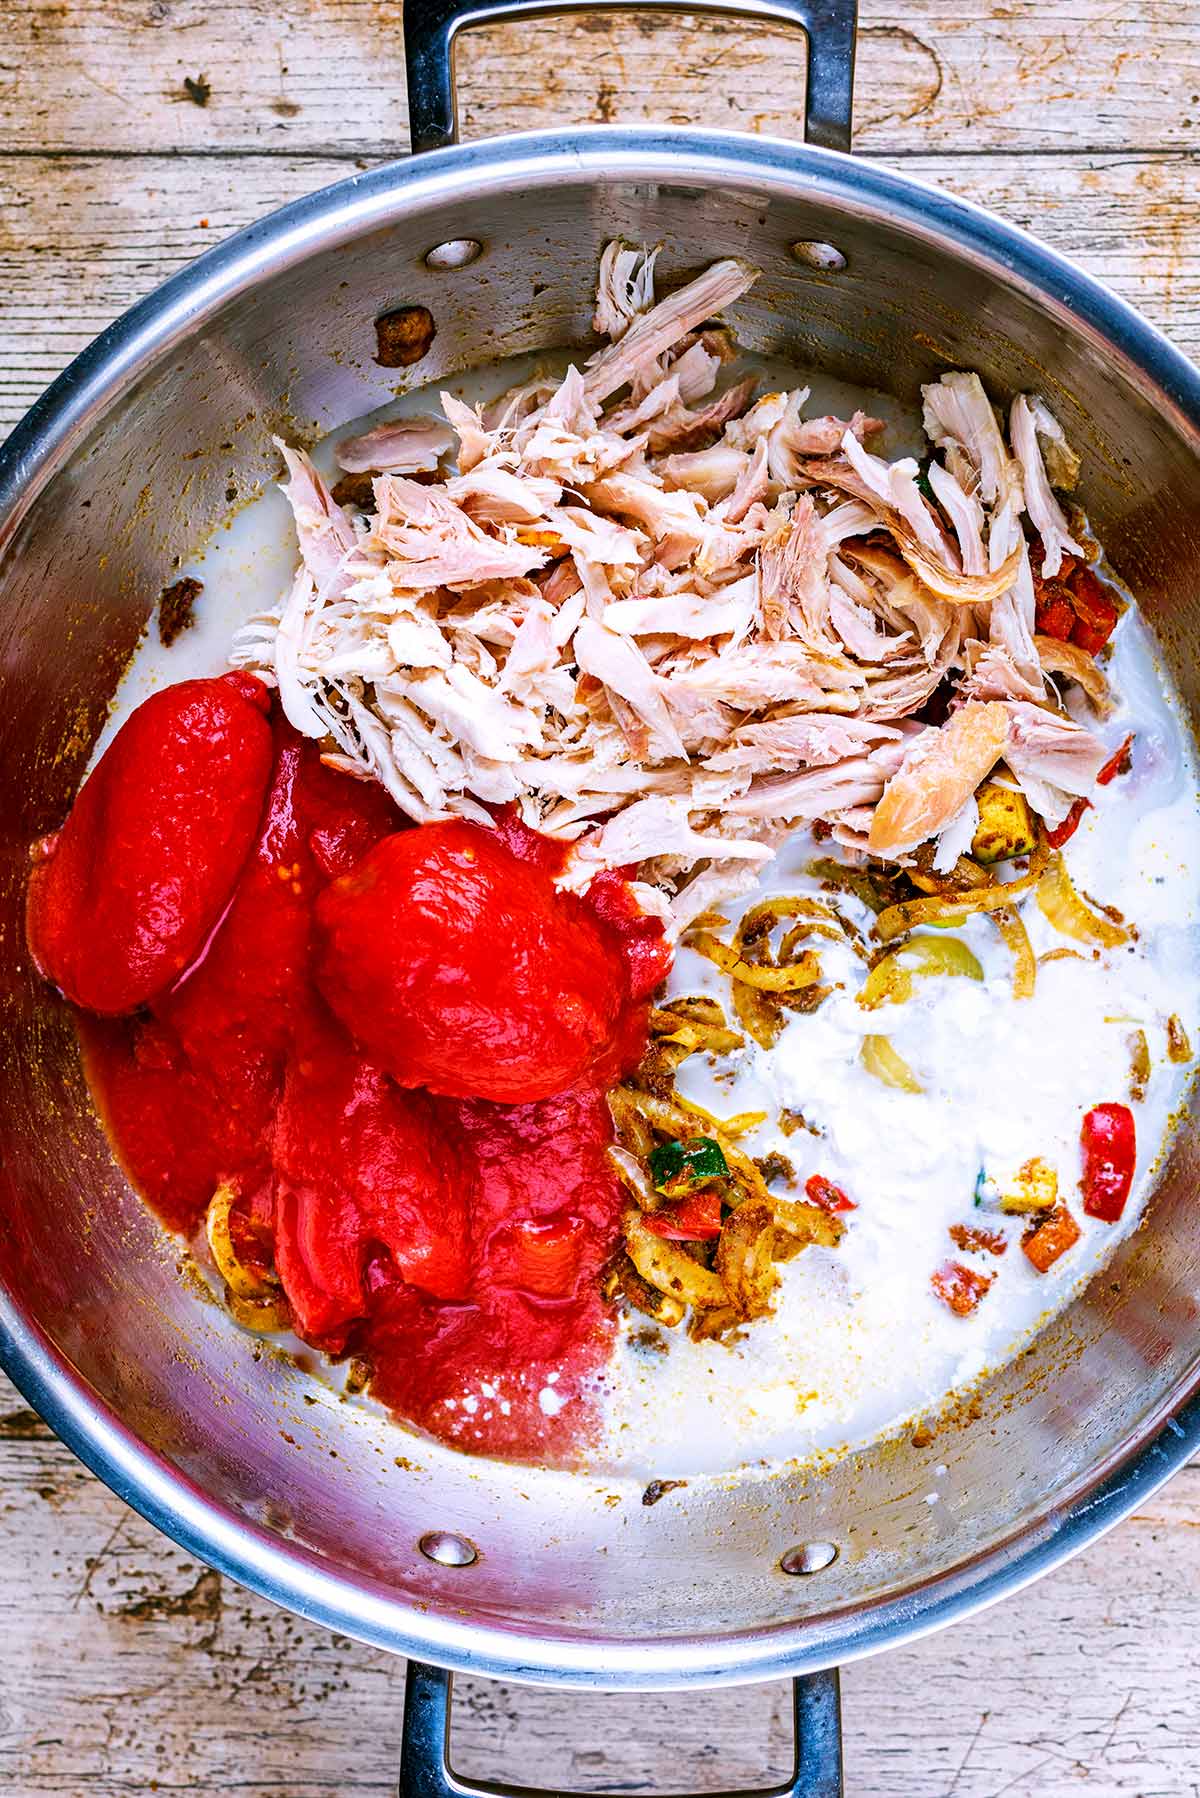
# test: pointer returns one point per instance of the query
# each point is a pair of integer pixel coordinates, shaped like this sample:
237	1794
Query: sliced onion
756	926
713	1039
891	980
626	1282
1139	1064
1011	926
694	1023
950	908
698	1008
841	932
1062	905
763	917
879	1058
758	1013
659	1065
633	1132
668	1268
720	1324
635	1176
810	1223
804	971
744	1259
263	1316
243	1282
737	1125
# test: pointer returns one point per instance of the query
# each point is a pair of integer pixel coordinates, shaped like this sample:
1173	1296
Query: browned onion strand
1069	913
1012	929
951	907
724	1283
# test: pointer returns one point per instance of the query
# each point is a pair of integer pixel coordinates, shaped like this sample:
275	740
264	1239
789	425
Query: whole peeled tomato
361	1169
126	894
464	969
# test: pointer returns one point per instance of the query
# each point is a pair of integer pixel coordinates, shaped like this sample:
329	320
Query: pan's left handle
425	1770
430	27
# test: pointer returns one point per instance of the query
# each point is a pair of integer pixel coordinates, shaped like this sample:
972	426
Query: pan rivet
824	256
809	1557
456	252
447	1549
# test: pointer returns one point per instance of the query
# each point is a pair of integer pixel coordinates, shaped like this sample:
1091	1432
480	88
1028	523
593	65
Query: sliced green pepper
679	1167
892	978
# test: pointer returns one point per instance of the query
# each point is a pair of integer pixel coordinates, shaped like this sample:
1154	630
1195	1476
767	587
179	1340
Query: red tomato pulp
392	1041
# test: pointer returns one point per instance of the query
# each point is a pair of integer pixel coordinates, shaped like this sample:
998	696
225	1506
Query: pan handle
425	1770
430	27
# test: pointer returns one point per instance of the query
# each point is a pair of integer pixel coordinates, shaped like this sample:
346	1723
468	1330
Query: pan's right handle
430	27
425	1770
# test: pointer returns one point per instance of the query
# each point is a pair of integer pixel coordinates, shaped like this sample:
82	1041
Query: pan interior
584	1579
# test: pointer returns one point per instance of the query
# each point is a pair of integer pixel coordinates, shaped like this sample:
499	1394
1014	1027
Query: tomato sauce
394	1043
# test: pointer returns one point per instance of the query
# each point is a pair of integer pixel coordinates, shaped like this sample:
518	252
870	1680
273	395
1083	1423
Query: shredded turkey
669	617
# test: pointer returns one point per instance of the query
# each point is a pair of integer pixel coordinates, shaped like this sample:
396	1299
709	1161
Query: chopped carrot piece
1051	1239
960	1287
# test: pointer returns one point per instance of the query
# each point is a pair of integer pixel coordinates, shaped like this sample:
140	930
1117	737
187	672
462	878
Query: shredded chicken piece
658	330
626	287
327	537
1044	510
407	446
938	777
668	620
1054	759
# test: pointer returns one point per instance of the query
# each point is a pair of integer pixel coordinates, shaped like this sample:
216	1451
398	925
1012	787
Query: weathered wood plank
329	77
82	237
126	1667
122	1662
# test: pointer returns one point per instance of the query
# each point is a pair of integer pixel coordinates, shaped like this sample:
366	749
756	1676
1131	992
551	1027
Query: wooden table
133	134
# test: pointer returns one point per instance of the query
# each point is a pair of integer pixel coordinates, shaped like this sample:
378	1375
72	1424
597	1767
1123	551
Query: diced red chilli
959	1287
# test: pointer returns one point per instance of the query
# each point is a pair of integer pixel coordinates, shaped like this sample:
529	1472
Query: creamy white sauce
859	1343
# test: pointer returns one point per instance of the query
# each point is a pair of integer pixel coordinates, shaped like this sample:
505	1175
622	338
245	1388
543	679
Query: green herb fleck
679	1167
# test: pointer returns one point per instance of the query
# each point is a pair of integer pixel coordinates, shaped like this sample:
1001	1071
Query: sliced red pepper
1070	824
1109	1141
1051	1239
1073	605
829	1197
1054	615
696	1218
1116	764
1095	613
960	1287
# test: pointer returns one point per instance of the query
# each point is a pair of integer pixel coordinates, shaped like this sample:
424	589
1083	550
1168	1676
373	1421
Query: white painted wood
328	76
122	1661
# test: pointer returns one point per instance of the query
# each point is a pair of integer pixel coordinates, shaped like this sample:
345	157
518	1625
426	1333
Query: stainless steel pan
122	468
